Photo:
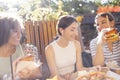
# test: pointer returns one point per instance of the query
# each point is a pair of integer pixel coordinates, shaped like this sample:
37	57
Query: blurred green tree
50	9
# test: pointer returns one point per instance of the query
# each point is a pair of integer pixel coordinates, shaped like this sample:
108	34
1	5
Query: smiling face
10	27
102	23
70	32
104	20
15	36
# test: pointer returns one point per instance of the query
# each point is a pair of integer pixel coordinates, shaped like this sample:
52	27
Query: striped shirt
108	55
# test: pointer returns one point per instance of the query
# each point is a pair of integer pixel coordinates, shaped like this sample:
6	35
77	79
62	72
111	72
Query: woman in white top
64	53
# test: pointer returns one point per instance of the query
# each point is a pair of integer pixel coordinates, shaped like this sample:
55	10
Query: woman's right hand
101	36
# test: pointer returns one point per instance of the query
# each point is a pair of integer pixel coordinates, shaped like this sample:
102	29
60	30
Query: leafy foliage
79	7
49	9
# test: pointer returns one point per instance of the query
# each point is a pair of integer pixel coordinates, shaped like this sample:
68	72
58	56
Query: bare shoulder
77	43
48	49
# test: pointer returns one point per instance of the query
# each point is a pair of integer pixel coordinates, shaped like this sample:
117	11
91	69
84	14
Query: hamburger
112	35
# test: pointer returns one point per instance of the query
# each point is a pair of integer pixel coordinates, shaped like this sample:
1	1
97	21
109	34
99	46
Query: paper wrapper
29	69
29	64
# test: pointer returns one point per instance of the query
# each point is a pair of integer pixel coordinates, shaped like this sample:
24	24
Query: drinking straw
108	21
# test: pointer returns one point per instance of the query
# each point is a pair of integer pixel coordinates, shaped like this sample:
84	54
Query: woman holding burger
106	46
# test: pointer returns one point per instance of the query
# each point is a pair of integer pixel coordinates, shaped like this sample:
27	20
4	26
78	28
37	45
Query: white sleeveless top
65	57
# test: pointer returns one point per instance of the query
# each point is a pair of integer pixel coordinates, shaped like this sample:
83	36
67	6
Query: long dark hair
7	23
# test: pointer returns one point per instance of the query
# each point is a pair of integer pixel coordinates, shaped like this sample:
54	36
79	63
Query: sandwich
28	57
112	35
28	68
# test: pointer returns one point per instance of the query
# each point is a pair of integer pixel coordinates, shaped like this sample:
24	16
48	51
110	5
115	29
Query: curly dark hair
8	23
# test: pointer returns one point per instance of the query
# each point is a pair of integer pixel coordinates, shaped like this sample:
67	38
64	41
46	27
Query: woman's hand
24	73
73	76
29	72
101	36
99	68
25	67
28	57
